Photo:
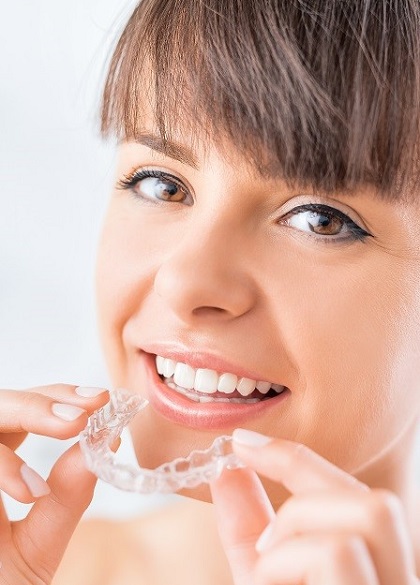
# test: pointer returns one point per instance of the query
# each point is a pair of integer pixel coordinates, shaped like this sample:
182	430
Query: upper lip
200	359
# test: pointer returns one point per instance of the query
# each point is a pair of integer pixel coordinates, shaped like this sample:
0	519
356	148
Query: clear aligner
107	424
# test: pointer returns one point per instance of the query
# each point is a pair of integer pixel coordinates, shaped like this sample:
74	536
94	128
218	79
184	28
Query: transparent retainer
107	424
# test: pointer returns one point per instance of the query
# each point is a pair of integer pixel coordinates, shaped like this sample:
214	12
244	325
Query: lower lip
205	416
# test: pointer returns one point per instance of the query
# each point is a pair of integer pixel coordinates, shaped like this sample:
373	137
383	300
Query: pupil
323	224
170	188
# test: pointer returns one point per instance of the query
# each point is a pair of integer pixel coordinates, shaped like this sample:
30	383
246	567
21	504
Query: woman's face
205	263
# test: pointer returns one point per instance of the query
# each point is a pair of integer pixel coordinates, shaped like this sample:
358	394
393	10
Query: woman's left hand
332	530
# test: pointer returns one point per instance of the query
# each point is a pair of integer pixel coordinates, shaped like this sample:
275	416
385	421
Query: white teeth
168	368
206	399
184	376
246	386
200	398
186	379
227	383
159	364
206	381
263	387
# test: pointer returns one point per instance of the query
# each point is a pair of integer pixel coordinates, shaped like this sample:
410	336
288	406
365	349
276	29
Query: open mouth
205	385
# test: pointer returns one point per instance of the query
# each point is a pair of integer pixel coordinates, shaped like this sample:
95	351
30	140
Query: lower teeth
193	395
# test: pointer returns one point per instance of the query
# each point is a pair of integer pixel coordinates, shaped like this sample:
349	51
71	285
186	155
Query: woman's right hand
31	549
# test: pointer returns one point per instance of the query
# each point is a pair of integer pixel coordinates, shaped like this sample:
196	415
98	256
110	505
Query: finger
44	534
297	467
61	415
72	394
4	522
329	560
18	480
376	516
243	510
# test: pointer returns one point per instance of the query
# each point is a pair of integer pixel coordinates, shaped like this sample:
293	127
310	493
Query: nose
206	275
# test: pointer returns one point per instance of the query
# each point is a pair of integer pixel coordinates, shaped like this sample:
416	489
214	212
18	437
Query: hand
31	549
332	530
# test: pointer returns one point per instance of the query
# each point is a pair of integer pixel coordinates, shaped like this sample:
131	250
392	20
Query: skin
347	346
224	273
361	539
32	548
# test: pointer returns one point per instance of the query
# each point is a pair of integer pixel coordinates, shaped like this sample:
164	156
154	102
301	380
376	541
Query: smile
205	385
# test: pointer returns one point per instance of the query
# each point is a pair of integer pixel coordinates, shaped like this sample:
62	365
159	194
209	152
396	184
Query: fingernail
89	391
115	445
67	411
250	438
265	538
36	485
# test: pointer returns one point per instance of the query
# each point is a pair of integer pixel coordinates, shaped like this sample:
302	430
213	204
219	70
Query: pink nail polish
250	438
34	482
67	412
89	391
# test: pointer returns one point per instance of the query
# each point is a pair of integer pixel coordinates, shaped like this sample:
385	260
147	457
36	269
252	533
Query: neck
397	472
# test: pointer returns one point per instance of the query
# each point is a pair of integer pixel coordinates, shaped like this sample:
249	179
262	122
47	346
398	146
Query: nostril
197	292
203	311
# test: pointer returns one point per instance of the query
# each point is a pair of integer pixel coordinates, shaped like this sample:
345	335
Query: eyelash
131	180
358	233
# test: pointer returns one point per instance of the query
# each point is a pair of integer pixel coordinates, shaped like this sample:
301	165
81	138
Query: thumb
243	510
46	531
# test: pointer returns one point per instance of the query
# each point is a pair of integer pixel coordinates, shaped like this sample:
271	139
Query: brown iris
324	223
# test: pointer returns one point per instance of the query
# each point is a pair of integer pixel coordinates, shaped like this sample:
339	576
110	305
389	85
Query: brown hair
322	92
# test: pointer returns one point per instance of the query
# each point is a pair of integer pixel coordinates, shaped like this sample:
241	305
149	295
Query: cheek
351	333
124	277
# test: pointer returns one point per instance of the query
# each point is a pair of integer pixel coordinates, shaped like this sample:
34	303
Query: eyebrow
169	148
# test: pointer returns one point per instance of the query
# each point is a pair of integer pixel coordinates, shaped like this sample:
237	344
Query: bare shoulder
100	550
147	549
181	545
87	559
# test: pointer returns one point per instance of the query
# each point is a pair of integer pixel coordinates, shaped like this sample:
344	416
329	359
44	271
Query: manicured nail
115	445
67	411
250	438
89	391
265	538
36	485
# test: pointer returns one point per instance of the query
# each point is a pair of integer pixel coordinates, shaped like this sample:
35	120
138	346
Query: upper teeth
210	381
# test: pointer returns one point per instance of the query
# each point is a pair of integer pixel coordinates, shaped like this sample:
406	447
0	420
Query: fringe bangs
316	92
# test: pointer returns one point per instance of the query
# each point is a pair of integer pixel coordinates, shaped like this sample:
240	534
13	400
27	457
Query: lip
208	416
197	359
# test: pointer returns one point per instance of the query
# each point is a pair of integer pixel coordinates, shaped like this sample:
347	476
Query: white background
55	176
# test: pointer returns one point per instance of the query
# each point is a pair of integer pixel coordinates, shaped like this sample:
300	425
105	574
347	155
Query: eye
156	186
327	223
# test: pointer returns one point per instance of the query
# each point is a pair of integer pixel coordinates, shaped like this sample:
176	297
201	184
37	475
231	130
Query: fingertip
91	398
67	412
36	485
90	391
242	507
115	445
70	479
247	438
233	482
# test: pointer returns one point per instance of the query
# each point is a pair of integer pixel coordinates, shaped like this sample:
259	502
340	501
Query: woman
259	267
